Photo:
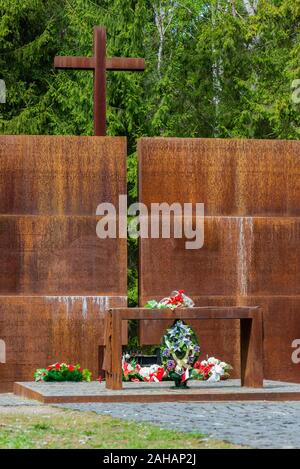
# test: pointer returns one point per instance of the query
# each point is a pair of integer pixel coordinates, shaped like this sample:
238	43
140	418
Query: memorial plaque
251	254
56	275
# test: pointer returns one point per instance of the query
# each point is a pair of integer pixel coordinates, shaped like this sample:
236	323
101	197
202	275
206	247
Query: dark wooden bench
251	327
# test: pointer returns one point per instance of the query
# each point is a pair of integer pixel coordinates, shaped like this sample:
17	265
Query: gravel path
255	424
11	400
11	404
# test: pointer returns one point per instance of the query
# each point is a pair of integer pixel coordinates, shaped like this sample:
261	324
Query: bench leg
113	353
252	351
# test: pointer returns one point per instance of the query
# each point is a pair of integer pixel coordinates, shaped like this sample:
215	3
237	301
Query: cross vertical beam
100	81
99	63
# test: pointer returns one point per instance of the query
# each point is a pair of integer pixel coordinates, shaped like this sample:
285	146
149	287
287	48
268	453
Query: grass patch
70	429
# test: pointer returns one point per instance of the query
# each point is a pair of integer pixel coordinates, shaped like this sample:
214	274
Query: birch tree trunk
163	15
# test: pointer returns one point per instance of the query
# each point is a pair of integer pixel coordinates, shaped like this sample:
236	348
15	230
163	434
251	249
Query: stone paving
13	404
256	424
9	399
152	390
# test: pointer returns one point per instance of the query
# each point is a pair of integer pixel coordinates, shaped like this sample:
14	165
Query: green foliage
215	68
54	375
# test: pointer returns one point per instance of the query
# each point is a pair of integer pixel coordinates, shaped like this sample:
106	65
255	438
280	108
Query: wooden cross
99	64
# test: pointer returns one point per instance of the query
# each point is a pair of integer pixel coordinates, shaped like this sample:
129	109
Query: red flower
57	366
176	300
80	369
134	380
160	373
49	368
100	379
205	370
71	368
125	369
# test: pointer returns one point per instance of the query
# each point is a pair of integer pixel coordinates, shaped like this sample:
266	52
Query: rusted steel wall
56	275
251	252
40	330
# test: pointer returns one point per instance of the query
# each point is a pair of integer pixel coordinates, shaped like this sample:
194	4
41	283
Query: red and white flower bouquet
134	372
211	370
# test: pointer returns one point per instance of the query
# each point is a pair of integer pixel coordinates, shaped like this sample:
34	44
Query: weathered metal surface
56	275
231	177
251	253
49	175
281	328
59	255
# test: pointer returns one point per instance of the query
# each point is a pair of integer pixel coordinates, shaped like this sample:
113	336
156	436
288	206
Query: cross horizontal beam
99	64
88	63
126	64
74	63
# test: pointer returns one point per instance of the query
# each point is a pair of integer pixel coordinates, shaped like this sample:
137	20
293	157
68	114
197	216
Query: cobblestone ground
10	403
254	424
10	400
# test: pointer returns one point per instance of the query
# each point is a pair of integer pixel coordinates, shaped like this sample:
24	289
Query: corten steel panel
281	328
231	177
251	251
60	175
259	262
50	188
59	255
274	256
41	330
211	270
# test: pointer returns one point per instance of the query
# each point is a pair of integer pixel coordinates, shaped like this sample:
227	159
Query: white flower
145	372
214	377
213	361
218	370
153	368
204	363
223	364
